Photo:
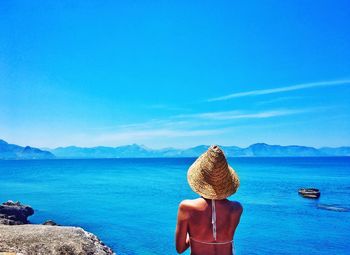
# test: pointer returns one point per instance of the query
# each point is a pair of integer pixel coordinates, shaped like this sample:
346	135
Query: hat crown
215	154
211	176
214	164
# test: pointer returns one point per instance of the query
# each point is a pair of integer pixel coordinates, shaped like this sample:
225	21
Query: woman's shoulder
190	203
236	207
199	204
187	206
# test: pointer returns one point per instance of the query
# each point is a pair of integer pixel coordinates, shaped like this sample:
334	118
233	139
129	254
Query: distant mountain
127	151
12	151
254	150
340	151
265	150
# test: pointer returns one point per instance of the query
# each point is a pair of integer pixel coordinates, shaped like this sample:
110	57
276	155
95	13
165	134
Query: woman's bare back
200	228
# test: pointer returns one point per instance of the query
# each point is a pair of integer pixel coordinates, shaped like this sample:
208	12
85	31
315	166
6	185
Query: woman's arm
237	213
181	237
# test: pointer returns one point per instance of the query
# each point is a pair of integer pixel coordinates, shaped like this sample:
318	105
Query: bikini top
213	222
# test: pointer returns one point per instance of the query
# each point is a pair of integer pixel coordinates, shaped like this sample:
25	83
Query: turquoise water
131	204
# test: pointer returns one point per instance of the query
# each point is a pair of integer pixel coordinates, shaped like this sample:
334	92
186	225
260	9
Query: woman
207	224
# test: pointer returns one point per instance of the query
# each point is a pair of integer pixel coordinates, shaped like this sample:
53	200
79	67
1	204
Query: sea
131	204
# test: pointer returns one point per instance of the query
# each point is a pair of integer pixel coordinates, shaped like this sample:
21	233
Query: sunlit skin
194	219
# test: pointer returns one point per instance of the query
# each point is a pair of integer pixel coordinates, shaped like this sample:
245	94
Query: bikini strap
213	217
198	241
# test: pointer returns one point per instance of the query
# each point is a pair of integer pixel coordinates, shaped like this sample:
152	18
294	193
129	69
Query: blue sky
175	73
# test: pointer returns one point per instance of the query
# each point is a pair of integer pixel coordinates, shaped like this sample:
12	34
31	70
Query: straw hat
211	177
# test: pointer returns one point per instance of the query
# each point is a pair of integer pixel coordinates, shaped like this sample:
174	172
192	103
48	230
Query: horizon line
142	145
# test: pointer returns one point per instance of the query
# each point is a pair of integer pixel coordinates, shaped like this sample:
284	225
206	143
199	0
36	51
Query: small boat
309	192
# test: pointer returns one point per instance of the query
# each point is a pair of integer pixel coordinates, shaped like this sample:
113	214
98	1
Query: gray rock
50	223
14	213
45	240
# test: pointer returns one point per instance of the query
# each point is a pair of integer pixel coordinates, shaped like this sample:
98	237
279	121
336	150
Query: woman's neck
216	200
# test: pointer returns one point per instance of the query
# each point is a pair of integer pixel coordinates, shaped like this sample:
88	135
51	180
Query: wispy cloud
231	115
148	124
281	89
194	121
182	129
135	136
280	99
200	125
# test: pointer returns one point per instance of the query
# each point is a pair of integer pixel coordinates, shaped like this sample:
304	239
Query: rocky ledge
14	213
18	237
